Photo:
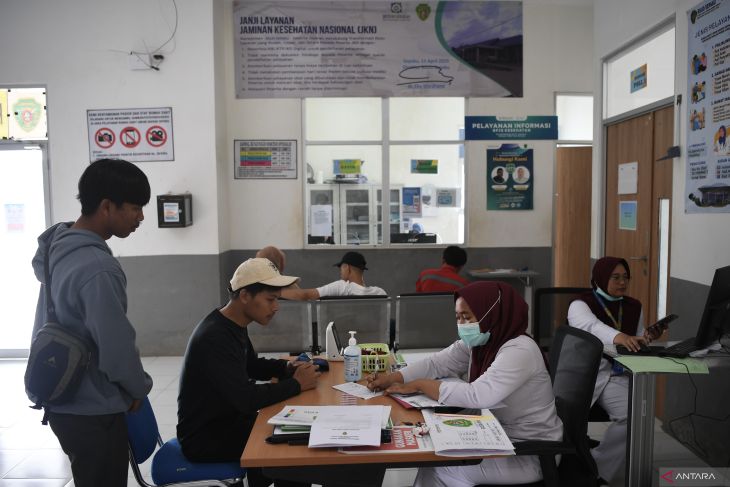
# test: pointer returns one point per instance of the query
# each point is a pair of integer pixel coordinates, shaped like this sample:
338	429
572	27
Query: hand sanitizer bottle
353	364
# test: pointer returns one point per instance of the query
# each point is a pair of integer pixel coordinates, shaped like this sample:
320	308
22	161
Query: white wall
78	50
557	57
698	242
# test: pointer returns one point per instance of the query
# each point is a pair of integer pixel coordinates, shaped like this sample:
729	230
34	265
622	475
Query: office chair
574	360
169	465
551	311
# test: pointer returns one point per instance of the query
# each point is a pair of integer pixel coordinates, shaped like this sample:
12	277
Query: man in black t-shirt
219	398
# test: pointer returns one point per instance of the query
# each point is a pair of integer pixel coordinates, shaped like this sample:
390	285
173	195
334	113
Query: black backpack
57	362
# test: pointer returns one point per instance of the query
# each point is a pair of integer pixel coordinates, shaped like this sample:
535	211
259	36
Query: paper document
357	390
402	441
347	426
295	415
417	401
459	435
305	415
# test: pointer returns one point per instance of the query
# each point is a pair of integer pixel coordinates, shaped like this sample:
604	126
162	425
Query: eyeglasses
619	277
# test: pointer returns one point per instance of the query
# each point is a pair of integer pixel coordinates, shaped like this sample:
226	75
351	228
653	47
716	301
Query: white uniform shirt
348	288
581	316
516	387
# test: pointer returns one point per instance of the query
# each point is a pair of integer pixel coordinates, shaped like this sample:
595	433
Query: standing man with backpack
88	294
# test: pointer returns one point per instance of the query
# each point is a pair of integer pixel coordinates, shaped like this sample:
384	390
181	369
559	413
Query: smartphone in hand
656	330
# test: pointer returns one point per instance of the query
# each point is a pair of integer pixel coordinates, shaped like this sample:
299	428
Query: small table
642	392
327	466
525	277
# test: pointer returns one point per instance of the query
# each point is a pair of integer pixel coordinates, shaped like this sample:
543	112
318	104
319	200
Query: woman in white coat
506	373
614	318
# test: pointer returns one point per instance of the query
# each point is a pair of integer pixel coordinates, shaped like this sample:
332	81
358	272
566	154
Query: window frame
385	143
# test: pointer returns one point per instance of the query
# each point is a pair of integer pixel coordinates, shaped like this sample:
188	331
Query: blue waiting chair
169	465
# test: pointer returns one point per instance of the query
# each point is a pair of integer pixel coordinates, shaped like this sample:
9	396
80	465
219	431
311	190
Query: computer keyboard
681	349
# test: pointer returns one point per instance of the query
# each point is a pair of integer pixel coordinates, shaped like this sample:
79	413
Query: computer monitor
716	317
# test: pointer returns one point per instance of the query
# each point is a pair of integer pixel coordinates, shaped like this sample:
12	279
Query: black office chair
551	311
574	360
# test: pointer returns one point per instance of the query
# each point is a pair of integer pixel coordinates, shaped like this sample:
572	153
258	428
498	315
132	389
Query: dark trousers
96	446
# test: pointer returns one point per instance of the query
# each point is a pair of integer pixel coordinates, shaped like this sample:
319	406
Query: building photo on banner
311	48
708	91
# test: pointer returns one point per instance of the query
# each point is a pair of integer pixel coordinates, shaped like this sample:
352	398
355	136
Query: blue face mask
470	333
607	296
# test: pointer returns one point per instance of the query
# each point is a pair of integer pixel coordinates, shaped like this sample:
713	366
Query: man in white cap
219	397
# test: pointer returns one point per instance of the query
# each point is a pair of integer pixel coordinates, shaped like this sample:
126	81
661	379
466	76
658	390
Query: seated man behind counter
351	283
219	399
446	278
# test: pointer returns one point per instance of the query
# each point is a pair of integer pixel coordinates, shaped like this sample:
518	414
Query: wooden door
630	142
572	228
642	140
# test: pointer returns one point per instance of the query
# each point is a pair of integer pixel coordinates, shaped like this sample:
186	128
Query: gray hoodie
88	289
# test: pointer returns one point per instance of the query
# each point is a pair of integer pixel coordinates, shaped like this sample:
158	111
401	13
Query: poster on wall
510	178
265	159
707	187
28	118
411	202
627	215
4	114
299	49
133	134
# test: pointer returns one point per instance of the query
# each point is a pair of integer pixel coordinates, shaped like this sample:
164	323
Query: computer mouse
324	366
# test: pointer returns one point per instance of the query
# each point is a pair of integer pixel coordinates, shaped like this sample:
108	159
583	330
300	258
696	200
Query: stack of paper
417	401
459	435
347	426
334	425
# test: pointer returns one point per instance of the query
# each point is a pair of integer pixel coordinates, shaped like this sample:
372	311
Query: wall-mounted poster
411	202
627	215
298	49
707	180
510	178
424	166
133	134
447	197
638	78
265	159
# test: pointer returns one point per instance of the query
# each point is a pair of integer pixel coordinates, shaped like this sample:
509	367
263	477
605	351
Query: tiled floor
30	455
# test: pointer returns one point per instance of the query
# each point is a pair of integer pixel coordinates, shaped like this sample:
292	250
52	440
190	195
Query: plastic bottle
353	363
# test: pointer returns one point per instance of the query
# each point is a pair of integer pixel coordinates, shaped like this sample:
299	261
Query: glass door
23	218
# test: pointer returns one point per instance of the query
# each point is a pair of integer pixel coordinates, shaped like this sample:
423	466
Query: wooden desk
306	464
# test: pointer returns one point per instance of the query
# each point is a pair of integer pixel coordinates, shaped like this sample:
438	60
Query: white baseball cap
259	270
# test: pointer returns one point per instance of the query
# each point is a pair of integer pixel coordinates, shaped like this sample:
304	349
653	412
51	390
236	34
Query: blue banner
534	127
510	178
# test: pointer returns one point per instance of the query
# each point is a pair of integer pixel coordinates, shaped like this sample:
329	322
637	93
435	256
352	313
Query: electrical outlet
138	61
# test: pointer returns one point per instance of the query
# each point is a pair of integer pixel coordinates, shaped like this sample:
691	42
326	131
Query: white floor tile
42	464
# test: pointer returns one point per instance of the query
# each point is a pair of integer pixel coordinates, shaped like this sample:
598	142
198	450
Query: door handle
643	257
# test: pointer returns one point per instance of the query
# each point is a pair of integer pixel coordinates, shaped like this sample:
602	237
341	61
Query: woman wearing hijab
506	373
614	318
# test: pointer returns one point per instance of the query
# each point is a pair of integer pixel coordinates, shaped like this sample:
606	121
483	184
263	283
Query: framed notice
265	159
627	215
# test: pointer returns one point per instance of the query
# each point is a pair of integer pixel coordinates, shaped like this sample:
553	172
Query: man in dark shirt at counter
219	398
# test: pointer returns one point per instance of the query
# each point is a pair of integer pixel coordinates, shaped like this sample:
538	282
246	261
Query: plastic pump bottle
353	365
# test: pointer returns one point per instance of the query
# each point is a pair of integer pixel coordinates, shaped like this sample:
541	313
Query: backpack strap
50	310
